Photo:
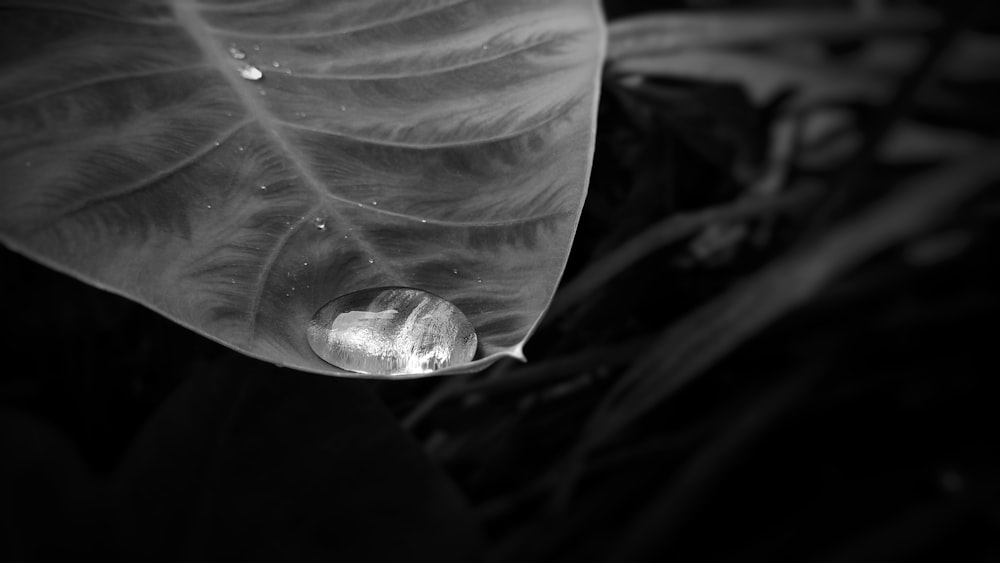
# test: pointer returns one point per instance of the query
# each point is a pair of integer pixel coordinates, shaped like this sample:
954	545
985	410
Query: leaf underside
437	144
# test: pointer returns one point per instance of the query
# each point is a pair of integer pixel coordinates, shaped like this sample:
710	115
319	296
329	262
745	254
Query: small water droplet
343	108
256	47
361	205
250	72
208	206
262	187
486	46
392	331
300	114
371	260
262	92
276	64
217	143
305	263
374	203
319	223
241	148
236	53
454	271
479	279
345	236
423	220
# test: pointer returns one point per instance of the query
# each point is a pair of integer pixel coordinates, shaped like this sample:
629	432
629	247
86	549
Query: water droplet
208	206
305	263
319	223
217	143
276	64
250	72
237	54
300	114
262	187
479	279
454	271
241	148
361	205
343	108
374	203
392	331
256	47
486	46
423	220
371	260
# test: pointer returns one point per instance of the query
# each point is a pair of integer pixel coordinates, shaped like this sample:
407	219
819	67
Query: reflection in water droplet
392	331
237	54
319	223
250	72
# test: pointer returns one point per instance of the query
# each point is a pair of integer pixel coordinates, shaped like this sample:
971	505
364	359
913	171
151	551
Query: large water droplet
392	331
250	72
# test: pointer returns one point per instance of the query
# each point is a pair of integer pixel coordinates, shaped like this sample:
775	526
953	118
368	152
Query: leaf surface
437	144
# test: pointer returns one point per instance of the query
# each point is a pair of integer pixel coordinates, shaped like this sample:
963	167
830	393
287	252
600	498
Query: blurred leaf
663	33
48	494
236	166
246	464
688	348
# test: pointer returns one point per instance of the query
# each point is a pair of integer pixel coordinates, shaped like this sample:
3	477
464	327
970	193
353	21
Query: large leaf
437	144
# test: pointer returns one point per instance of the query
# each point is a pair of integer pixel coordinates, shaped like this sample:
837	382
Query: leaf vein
97	81
344	31
85	12
154	178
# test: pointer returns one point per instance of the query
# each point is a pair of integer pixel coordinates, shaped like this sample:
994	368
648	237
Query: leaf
243	464
766	52
661	33
389	142
46	491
